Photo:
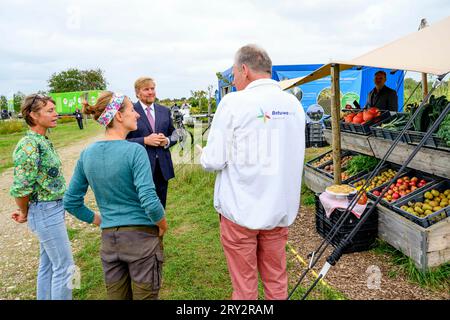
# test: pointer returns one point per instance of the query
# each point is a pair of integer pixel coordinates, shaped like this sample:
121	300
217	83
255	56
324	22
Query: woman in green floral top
38	188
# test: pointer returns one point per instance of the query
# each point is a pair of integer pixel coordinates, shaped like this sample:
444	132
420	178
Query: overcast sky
182	44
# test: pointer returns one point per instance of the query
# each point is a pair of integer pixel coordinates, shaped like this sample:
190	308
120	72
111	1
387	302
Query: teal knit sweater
120	176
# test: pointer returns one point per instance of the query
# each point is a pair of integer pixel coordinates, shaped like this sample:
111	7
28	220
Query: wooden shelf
428	160
350	141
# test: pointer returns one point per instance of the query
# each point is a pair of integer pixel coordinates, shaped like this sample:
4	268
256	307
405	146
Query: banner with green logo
68	102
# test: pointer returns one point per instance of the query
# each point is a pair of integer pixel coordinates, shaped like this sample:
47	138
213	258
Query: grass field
62	135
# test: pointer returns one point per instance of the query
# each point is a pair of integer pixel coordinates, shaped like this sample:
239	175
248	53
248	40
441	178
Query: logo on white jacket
263	115
273	115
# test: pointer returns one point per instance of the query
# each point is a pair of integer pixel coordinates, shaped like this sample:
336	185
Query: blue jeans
56	266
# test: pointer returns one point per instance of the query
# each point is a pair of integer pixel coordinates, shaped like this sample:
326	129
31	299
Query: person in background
79	118
256	145
382	97
38	188
132	218
154	132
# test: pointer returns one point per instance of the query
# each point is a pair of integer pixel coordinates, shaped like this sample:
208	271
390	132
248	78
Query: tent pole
335	119
424	84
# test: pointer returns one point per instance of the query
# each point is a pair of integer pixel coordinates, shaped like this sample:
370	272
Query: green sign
349	99
68	102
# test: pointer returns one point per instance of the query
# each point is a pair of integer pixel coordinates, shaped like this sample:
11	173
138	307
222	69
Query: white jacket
257	145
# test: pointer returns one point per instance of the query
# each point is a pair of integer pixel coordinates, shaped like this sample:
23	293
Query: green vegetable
398	123
429	113
361	163
444	130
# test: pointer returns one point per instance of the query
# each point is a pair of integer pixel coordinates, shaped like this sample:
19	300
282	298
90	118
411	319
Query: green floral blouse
37	169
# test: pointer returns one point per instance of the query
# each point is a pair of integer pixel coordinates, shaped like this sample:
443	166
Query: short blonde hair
142	82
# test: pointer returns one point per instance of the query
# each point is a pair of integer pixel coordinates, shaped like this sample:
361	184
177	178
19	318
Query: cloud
183	44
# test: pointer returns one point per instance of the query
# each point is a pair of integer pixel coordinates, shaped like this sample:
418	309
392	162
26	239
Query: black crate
364	129
316	144
309	163
428	178
363	240
414	138
387	134
430	219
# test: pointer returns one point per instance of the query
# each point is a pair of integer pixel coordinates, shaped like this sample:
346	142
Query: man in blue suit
155	128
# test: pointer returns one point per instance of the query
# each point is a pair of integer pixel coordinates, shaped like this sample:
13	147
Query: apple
420	185
415	179
395	196
423	182
376	193
390	192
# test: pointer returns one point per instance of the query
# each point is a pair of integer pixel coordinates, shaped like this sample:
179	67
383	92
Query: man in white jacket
256	145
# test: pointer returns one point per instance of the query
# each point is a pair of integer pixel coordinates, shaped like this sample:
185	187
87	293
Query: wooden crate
427	247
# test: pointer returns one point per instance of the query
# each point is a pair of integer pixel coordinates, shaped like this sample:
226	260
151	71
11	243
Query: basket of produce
387	172
425	119
320	160
360	122
428	207
353	166
340	191
409	183
390	129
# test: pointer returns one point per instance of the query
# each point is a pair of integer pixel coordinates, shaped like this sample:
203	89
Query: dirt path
350	275
19	248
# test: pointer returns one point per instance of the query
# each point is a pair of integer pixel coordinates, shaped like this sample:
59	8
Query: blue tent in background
355	84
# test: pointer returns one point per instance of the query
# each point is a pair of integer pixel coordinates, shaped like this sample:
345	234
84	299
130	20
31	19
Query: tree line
94	79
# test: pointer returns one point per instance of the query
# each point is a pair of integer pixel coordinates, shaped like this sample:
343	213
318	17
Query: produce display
433	202
326	158
401	188
340	189
377	181
344	161
444	130
428	113
362	117
398	123
361	163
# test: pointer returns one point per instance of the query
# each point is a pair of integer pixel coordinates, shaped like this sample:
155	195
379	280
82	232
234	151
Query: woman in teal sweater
132	218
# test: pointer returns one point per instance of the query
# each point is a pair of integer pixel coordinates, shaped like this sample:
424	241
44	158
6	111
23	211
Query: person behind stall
382	97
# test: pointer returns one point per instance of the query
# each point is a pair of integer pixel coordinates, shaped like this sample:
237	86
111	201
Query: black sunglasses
40	96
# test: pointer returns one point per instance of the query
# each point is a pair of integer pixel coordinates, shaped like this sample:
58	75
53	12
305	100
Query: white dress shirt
257	146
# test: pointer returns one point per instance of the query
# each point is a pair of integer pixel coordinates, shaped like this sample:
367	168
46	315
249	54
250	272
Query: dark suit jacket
164	125
386	99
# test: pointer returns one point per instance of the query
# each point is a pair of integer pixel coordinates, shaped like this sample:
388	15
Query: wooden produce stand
427	247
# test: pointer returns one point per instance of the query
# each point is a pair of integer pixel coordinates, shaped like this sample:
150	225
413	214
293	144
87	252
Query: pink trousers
249	251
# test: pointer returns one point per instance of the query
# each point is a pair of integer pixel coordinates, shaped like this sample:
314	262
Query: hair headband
111	109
